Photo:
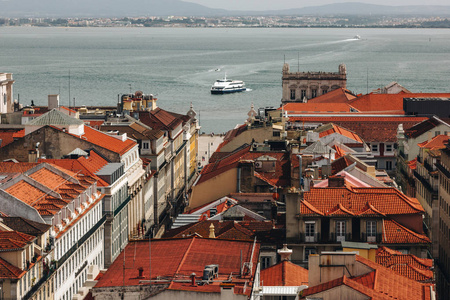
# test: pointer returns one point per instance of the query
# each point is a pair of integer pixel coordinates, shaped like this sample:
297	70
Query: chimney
193	283
336	181
53	101
212	234
285	253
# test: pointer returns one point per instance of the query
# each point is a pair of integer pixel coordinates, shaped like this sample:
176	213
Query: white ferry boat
225	86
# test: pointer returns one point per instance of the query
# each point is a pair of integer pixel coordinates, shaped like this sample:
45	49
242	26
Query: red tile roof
370	129
160	119
355	201
436	143
379	284
222	229
284	273
279	176
106	141
422	127
8	271
14	240
408	265
82	165
313	108
388	102
342	131
339	95
394	233
179	258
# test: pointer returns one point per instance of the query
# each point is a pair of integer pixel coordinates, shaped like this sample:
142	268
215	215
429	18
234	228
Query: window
308	252
310	231
340	231
437	133
388	147
324	91
303	93
374	147
314	93
388	165
371	230
266	262
292	94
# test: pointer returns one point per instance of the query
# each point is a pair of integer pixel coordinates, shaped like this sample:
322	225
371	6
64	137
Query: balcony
425	183
371	239
340	238
315	238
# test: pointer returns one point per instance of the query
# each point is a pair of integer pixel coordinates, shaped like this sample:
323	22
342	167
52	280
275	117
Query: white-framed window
371	231
308	252
310	227
374	147
389	147
340	231
313	93
145	145
303	94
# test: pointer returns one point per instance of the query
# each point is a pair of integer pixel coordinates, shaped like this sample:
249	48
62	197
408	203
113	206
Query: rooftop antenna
69	87
298	61
150	258
130	87
367	80
284	59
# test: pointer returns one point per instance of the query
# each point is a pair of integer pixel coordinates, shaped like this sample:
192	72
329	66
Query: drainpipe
300	171
238	188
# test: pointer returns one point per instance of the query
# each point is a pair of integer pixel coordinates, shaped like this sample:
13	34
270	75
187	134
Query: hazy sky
283	4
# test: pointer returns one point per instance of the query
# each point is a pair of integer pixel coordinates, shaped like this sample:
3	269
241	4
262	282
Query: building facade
302	86
6	93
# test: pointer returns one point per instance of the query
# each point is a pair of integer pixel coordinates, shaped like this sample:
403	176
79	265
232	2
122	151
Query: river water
179	65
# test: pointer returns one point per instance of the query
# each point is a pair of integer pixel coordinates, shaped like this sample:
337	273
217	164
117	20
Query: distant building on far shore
6	92
302	86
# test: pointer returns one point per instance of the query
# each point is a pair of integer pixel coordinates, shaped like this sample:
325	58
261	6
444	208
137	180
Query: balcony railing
425	182
315	238
340	237
377	238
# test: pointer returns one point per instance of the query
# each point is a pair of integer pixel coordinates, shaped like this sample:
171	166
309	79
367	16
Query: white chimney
53	101
285	253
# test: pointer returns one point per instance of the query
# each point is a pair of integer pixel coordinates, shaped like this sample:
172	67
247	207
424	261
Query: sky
285	4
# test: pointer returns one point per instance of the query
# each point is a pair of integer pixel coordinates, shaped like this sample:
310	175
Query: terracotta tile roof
226	163
394	233
370	129
284	273
388	102
26	226
159	119
379	284
8	271
408	265
424	126
14	240
223	230
438	142
13	167
388	201
339	95
179	258
342	131
26	192
314	107
82	166
106	141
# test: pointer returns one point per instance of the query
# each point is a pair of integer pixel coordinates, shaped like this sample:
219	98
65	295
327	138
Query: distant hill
103	8
121	8
357	8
